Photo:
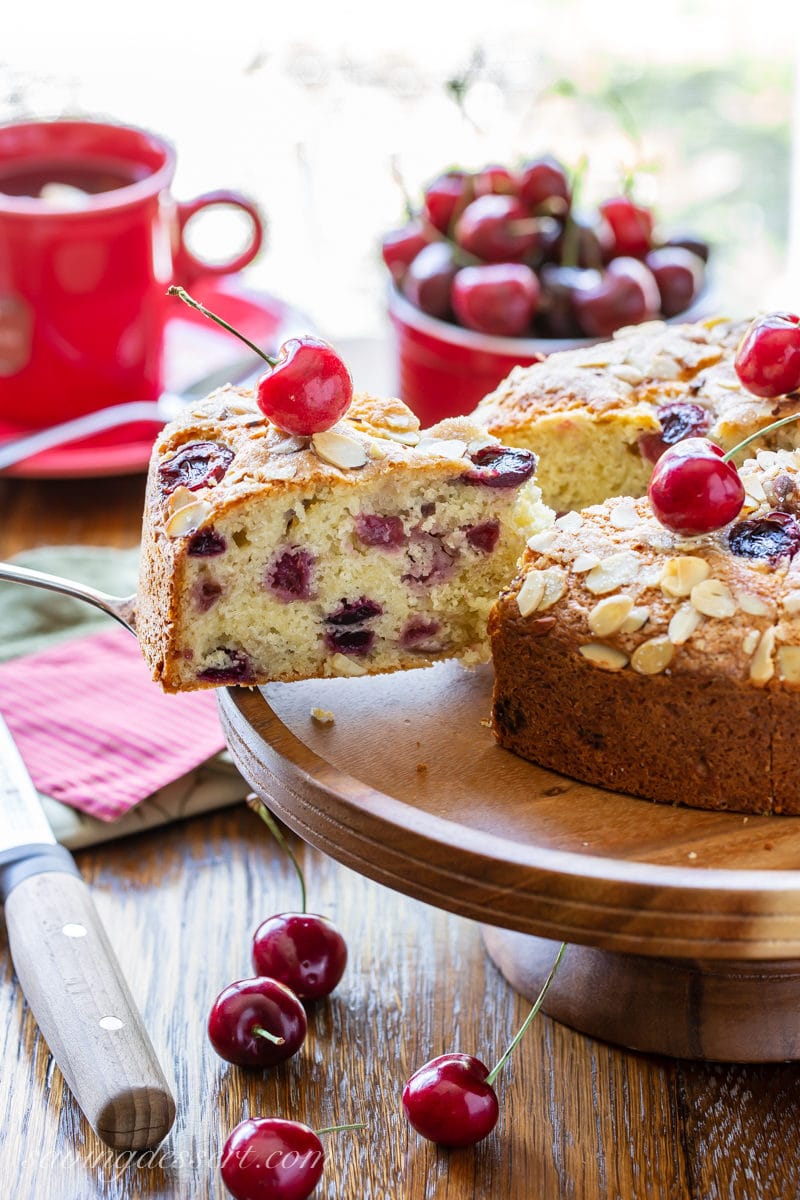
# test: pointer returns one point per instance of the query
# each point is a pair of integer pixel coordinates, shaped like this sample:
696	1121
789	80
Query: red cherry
446	197
627	294
692	491
449	1102
308	389
632	225
400	247
679	275
265	1158
494	180
498	298
768	359
543	183
302	950
256	1023
496	229
428	281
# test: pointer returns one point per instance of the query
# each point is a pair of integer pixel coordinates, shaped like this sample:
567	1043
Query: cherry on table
304	950
768	359
449	1101
266	1158
496	298
693	490
257	1023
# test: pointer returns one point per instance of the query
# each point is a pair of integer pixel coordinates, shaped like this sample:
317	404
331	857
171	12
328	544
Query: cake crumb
692	854
422	766
323	716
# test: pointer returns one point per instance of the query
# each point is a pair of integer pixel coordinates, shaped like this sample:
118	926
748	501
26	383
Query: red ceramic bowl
444	370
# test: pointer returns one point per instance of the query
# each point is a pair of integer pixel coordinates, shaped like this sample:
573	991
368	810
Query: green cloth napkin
32	619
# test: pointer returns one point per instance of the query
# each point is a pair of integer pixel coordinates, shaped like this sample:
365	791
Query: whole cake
668	667
600	416
370	546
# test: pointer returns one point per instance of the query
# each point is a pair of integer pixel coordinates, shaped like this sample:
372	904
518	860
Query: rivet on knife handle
72	981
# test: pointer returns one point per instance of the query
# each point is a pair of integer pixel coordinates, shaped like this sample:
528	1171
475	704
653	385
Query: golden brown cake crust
661	666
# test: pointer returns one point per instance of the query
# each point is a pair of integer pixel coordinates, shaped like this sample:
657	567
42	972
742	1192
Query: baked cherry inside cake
370	547
664	666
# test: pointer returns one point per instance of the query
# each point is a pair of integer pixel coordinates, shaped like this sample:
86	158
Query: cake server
69	974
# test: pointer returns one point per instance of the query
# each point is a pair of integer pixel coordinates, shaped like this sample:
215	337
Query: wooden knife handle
83	1006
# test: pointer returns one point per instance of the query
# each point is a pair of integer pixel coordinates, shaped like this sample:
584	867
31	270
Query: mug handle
187	266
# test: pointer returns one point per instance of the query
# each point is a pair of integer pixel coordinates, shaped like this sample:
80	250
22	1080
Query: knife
70	976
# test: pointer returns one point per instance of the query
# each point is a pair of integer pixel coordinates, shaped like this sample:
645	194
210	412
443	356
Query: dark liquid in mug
102	175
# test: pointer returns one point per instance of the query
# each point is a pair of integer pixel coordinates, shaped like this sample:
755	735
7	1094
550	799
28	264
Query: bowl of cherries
499	267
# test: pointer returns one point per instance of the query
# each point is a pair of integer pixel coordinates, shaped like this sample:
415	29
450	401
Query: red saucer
194	347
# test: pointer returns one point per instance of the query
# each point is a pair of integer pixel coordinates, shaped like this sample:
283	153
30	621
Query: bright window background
313	108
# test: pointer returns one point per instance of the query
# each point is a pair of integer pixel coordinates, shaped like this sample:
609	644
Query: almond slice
339	450
682	573
187	519
609	615
713	599
605	657
653	656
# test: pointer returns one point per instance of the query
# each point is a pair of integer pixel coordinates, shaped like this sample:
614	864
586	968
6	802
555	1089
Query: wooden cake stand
683	925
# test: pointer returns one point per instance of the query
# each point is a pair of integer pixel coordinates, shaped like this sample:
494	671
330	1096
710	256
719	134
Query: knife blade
70	976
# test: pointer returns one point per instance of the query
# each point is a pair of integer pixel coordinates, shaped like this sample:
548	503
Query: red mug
90	240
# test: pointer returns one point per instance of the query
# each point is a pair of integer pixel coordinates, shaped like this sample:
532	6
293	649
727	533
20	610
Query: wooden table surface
578	1118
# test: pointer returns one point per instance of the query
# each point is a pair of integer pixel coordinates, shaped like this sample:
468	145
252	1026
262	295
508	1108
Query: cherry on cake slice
614	408
370	547
663	666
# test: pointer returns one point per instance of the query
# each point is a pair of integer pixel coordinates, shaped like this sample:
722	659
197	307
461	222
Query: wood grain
580	1120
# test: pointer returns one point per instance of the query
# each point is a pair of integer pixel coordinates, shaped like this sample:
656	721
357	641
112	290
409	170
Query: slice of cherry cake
370	547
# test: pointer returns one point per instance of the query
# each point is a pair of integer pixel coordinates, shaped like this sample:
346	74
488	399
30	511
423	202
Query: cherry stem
259	807
187	299
338	1128
261	1032
759	433
537	1004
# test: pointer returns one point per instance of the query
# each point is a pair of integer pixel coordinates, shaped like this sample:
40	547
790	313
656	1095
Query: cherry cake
369	547
614	407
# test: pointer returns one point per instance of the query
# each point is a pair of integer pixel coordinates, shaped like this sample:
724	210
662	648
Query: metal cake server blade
70	976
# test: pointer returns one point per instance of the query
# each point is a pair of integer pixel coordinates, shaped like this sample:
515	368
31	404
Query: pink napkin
93	729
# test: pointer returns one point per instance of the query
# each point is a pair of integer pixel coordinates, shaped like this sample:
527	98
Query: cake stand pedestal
683	925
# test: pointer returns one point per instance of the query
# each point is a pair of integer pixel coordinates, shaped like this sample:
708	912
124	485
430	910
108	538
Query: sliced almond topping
187	519
762	666
375	451
571	522
410	438
530	593
627	373
542	541
613	572
750	641
290	445
608	615
663	367
754	605
180	498
339	450
713	599
624	516
683	624
789	663
683	573
791	603
605	657
585	562
479	443
555	582
635	620
753	487
342	665
653	656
